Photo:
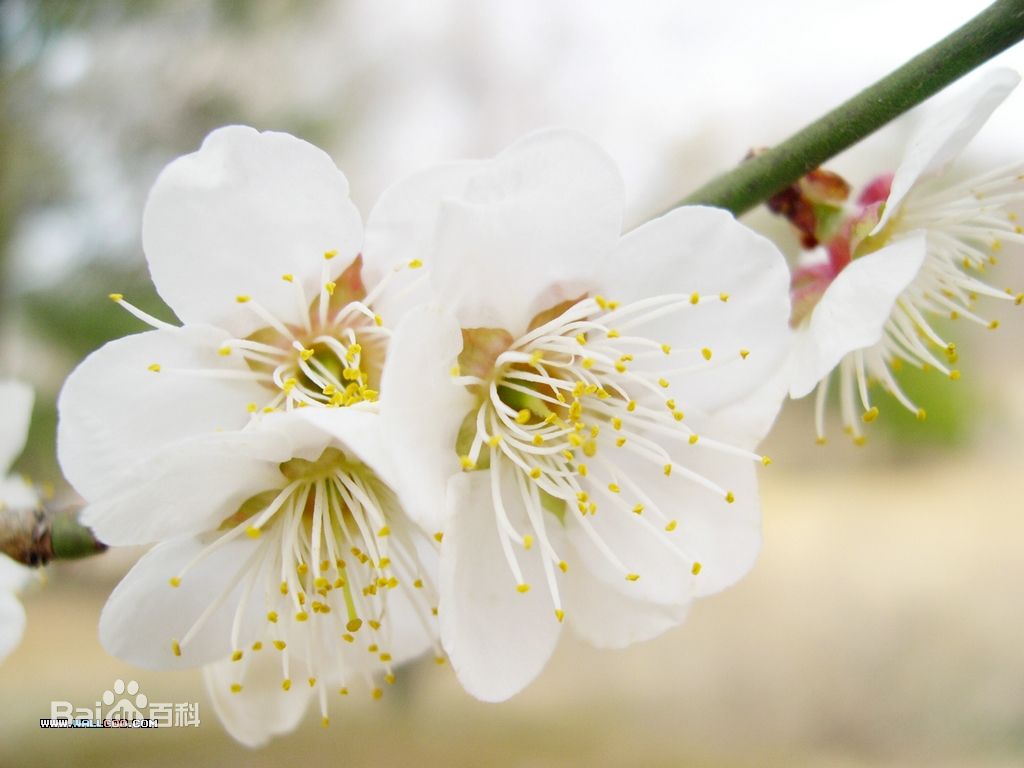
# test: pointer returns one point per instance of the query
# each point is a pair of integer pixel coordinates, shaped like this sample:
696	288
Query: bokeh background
883	625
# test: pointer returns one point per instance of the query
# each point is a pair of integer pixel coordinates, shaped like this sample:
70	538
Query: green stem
992	31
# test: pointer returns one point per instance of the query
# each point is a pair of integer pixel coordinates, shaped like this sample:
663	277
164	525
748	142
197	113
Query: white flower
602	394
915	251
15	494
254	243
284	566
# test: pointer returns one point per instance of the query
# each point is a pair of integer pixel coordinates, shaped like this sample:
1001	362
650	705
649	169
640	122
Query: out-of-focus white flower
602	395
284	565
916	250
17	494
254	243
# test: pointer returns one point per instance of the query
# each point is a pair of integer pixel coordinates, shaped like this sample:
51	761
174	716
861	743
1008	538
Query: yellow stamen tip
174	581
415	264
632	576
922	414
766	460
730	497
288	278
527	541
377	693
954	375
175	648
252	532
559	614
744	353
353	625
563	566
236	656
154	367
522	588
384	531
870	415
325	722
695	298
438	536
243	299
671	526
706	353
236	687
328	255
116	297
286	684
696	568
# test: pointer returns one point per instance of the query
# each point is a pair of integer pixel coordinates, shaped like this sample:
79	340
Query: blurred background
882	625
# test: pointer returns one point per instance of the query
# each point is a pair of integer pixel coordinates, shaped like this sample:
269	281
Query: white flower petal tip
231	218
948	130
16	400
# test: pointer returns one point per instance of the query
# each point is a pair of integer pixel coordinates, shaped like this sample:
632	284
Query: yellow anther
236	656
252	532
581	339
620	367
559	614
415	264
455	370
670	404
613	334
614	488
523	416
329	286
744	353
1019	299
467	463
377	694
418	584
243	299
312	682
667	349
538	439
575	440
305	354
175	648
820	440
257	646
494	441
348	638
730	497
536	356
695	569
631	406
671	525
678	415
706	353
870	414
174	581
619	442
328	255
954	375
116	297
236	687
280	644
588	363
154	367
389	678
632	576
616	422
922	414
535	473
378	320
638	509
353	625
695	298
860	440
272	617
438	536
325	721
252	407
301	616
522	588
286	684
668	469
582	469
663	383
374	624
527	541
288	277
384	531
766	460
694	438
602	302
993	325
589	448
302	569
723	296
563	566
224	351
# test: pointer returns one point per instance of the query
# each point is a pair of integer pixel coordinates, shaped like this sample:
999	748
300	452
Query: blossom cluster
482	417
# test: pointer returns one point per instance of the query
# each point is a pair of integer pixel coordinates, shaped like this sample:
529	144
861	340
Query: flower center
332	544
560	408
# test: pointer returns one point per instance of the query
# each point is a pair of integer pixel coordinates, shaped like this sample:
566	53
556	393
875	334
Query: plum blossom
576	414
15	494
284	566
254	243
918	248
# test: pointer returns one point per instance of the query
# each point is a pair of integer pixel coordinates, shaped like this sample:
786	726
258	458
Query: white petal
262	710
606	618
498	639
16	492
145	613
853	310
12	624
235	216
948	130
13	575
114	411
401	226
15	413
422	410
706	251
527	231
189	487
